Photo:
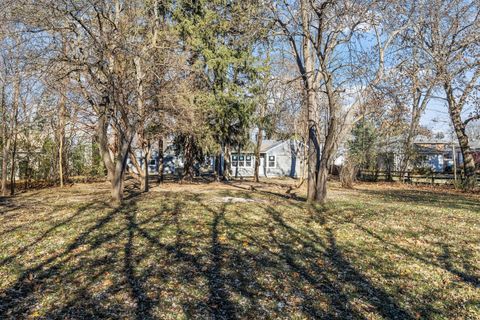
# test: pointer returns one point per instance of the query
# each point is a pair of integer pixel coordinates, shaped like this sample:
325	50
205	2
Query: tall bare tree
448	33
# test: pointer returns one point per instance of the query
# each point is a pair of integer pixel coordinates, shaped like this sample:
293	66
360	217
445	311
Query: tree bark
12	170
6	144
146	173
227	174
459	127
61	138
102	127
13	133
308	79
120	165
160	159
115	167
258	146
329	145
239	150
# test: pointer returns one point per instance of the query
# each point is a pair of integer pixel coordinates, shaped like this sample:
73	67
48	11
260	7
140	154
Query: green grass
178	252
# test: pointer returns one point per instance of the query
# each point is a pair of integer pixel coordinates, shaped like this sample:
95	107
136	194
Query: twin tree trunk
116	166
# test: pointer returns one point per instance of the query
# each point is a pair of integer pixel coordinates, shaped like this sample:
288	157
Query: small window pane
271	161
234	163
242	158
249	158
248	163
234	157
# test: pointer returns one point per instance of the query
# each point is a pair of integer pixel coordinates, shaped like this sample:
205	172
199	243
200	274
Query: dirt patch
237	200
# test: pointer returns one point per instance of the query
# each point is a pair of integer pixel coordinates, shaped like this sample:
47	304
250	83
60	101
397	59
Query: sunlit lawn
223	251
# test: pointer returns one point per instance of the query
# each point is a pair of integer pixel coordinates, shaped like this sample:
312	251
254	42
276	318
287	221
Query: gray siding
287	162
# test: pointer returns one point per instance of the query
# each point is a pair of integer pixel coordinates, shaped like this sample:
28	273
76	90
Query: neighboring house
440	155
278	158
437	155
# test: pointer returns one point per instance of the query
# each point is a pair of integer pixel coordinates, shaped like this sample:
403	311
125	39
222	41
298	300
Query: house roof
267	145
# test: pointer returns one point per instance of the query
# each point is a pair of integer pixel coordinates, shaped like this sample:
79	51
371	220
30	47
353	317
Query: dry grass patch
376	252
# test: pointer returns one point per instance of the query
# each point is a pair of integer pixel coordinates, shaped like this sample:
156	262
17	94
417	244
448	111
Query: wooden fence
411	177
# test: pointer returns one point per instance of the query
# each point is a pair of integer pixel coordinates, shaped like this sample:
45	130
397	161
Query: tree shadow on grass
426	198
205	260
346	275
219	297
443	263
23	294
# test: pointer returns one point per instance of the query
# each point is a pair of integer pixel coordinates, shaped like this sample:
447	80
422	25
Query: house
436	155
278	158
171	162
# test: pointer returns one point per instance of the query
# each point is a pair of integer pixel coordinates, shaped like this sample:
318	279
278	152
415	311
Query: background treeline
85	84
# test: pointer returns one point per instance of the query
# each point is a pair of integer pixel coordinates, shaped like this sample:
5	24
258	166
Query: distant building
436	155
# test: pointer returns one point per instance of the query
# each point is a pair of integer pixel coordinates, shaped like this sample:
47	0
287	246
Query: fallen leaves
370	252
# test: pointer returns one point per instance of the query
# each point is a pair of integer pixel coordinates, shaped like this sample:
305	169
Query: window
271	162
241	161
248	162
153	162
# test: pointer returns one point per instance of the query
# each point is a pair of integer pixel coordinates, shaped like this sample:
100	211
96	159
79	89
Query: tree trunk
322	175
217	168
160	159
117	187
115	168
312	162
239	150
13	132
12	169
308	79
227	174
144	186
258	146
120	165
459	127
146	160
61	140
102	127
6	144
329	145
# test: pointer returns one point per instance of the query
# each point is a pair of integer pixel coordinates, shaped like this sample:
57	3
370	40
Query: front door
261	169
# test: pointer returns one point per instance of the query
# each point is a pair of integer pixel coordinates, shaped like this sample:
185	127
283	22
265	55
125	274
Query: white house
277	159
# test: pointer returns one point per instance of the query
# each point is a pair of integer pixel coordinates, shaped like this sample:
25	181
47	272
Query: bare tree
448	33
324	37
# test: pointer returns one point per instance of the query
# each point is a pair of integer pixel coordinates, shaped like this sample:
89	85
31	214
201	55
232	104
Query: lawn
234	252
